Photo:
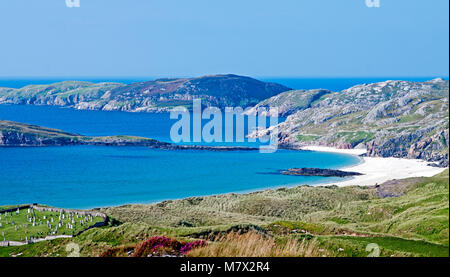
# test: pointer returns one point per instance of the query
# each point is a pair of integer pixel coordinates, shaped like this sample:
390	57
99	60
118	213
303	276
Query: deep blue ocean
91	176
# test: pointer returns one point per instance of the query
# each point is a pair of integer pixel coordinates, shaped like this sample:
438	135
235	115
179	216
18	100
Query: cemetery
31	223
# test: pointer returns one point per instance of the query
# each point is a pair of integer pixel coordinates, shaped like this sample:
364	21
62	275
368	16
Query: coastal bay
102	170
142	181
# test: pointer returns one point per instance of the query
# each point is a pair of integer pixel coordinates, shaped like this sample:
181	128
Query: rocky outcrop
414	146
288	102
305	171
13	138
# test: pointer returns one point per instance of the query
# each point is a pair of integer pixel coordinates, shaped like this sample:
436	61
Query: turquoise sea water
85	176
90	176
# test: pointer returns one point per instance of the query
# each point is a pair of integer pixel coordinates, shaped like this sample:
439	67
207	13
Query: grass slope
12	126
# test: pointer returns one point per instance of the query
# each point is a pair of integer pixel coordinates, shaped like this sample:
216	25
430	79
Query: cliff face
432	148
19	134
14	138
158	95
390	119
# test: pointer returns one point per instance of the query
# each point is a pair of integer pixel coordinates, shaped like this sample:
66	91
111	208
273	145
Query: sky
260	38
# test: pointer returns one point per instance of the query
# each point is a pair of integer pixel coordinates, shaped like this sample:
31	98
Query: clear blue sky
291	38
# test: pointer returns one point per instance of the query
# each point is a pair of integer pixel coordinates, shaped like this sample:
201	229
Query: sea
98	176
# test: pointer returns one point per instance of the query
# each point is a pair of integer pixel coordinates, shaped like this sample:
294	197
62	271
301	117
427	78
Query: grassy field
18	226
301	221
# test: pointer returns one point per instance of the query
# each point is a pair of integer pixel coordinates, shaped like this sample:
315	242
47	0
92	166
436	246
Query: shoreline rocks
305	171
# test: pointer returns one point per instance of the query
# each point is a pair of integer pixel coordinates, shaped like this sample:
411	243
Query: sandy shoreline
378	170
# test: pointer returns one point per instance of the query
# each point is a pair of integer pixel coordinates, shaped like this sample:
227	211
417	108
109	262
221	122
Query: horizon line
244	75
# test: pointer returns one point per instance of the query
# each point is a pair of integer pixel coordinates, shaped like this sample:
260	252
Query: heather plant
154	244
121	251
193	245
160	245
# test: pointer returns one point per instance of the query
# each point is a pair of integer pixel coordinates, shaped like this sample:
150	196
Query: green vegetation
305	221
359	136
410	118
33	130
355	138
307	138
353	246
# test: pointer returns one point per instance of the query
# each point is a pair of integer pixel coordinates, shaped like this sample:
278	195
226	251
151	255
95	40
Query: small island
305	171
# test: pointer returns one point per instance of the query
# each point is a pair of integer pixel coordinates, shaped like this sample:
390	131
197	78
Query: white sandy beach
379	170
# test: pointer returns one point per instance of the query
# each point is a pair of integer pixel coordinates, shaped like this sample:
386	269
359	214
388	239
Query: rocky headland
390	119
